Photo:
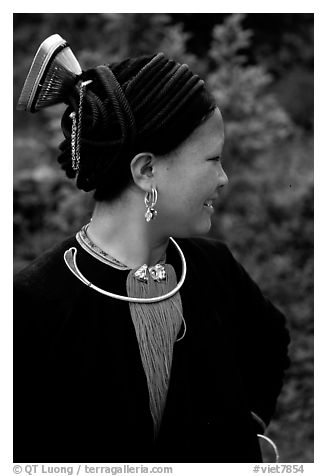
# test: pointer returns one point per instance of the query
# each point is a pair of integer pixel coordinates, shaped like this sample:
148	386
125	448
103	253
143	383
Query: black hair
143	104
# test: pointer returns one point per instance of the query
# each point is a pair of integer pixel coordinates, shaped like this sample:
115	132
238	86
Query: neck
120	230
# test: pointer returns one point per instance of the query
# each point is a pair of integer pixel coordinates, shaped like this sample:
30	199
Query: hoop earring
150	200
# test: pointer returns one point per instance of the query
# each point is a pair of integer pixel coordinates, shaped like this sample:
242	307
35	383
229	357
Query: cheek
184	189
187	201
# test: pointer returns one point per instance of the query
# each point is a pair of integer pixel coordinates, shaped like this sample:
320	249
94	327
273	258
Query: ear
142	170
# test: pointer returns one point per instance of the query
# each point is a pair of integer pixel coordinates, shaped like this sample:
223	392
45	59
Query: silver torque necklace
70	260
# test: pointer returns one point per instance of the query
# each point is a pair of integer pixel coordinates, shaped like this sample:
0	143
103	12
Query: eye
216	159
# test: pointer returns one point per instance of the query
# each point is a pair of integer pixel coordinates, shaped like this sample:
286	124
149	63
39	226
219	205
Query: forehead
207	139
211	132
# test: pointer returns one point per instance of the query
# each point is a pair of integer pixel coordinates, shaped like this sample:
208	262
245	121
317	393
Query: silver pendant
150	214
157	273
141	273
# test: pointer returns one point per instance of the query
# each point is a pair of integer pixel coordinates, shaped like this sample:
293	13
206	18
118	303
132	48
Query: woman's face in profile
189	180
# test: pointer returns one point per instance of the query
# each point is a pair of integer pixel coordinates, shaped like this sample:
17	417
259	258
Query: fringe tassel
157	326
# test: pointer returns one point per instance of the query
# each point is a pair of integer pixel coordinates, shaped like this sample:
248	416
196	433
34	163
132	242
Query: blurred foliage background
260	67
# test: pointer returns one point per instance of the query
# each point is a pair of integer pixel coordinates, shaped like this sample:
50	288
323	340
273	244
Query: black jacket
80	392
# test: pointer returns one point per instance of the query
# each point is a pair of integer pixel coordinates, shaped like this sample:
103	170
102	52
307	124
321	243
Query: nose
222	178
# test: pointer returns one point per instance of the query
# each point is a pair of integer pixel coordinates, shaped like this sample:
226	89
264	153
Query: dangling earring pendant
150	214
150	200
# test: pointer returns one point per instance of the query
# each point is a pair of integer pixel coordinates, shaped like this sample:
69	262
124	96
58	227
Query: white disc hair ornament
53	72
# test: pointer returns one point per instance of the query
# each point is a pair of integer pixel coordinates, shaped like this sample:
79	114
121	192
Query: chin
204	230
198	229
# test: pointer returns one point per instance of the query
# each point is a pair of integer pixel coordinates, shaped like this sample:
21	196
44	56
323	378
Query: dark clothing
80	392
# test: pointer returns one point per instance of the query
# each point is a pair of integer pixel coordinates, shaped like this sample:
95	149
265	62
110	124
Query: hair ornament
77	127
53	73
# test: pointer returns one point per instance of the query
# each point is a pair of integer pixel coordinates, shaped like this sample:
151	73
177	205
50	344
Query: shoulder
203	245
47	276
212	257
208	251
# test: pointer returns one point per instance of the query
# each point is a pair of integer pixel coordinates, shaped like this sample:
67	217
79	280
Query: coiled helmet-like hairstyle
145	104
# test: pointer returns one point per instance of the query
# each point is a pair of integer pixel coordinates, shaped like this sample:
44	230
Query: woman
134	340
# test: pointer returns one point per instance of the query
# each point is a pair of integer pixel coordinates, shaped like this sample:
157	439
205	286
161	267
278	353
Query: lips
209	203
